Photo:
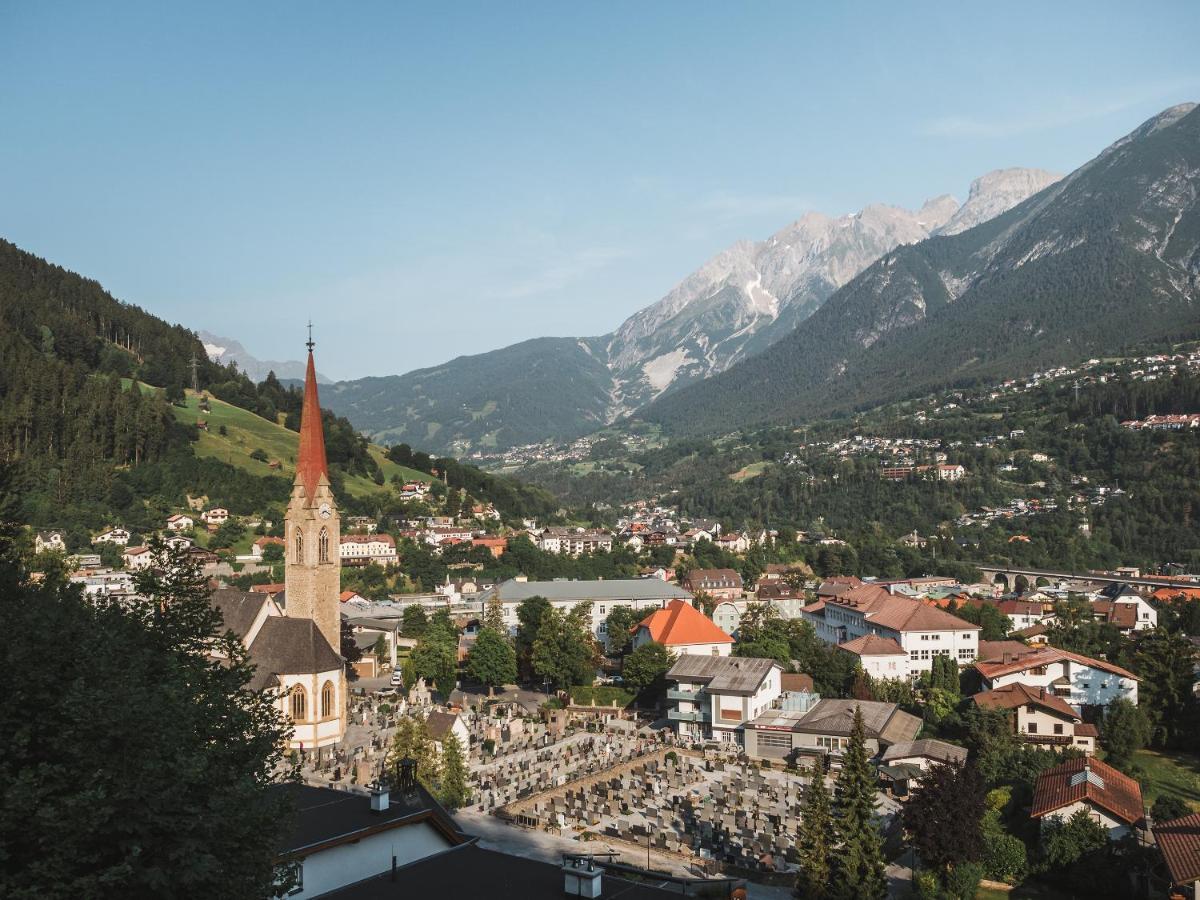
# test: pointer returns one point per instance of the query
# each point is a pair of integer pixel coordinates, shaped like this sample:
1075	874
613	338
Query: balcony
699	715
1051	739
676	694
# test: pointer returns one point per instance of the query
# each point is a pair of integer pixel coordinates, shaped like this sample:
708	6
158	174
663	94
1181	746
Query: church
294	644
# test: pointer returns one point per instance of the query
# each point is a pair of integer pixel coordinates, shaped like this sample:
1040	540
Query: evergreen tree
493	616
453	790
412	741
858	863
492	660
813	840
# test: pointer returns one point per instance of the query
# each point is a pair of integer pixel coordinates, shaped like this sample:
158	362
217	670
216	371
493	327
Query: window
1032	727
299	546
323	546
299	704
774	739
914	656
1058	728
327	700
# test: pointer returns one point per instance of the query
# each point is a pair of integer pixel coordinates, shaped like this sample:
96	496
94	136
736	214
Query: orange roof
1070	783
1177	593
1012	696
273	588
1179	841
681	623
311	464
873	645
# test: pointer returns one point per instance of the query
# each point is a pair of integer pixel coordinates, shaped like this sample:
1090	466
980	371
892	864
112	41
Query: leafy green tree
273	553
942	816
453	789
436	662
349	649
618	627
229	533
814	839
493	616
191	812
1125	730
529	622
491	660
1169	806
563	650
414	620
411	741
858	863
1065	842
645	669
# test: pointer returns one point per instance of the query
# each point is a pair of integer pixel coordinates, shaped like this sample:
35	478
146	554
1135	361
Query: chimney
379	797
581	877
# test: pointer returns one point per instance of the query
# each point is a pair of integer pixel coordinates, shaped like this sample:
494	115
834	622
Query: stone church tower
313	527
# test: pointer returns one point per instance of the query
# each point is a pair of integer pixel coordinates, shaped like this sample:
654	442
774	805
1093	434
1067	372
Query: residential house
574	541
720	584
1039	717
180	522
640	594
1122	606
1109	797
902	765
362	524
414	490
714	696
922	631
439	724
727	615
879	657
362	549
1179	842
682	629
733	542
118	536
260	545
49	542
1023	613
822	731
215	517
1077	679
495	545
137	558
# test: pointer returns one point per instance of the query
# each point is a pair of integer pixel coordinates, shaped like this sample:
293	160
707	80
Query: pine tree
813	840
412	741
493	616
858	864
453	790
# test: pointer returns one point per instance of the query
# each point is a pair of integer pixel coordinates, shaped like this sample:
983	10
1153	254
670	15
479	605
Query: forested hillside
91	448
1104	259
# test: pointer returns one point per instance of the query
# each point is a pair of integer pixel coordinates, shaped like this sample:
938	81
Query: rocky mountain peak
996	192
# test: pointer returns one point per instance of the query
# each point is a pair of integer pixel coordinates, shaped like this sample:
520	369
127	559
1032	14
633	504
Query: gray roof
722	674
238	609
513	591
286	646
928	748
439	724
882	721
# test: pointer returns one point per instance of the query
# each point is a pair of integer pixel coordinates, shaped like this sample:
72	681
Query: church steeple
312	572
310	464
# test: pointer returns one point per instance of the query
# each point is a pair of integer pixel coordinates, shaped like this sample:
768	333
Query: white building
368	548
180	522
1079	680
574	541
683	630
49	542
215	517
640	594
714	696
118	536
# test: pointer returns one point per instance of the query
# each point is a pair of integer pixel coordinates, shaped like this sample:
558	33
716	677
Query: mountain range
735	306
1104	259
227	350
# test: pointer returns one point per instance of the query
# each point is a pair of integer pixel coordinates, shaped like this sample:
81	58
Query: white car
397	679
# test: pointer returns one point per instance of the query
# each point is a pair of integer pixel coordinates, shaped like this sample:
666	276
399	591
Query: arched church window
299	546
299	704
327	700
323	546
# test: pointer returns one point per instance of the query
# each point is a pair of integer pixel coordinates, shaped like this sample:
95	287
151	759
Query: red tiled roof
1012	696
993	651
310	463
1176	593
1087	729
873	645
1045	656
1117	793
798	682
273	588
1179	841
899	613
681	623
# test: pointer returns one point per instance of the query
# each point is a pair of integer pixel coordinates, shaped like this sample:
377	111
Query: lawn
1168	773
245	432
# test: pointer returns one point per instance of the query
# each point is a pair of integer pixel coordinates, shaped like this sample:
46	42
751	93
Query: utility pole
195	377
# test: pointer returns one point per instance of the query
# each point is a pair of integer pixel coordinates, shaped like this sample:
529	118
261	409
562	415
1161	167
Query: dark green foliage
1163	662
618	627
491	660
99	802
942	816
814	840
1063	843
530	613
414	621
1125	730
349	649
858	863
645	669
563	650
453	787
435	658
1169	806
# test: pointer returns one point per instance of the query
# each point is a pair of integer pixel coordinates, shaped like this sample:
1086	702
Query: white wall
346	864
1088	686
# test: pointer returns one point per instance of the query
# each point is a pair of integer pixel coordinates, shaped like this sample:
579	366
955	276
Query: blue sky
426	181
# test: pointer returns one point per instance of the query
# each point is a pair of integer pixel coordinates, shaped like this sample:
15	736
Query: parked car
397	679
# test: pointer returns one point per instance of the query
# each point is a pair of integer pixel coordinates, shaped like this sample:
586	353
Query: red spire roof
310	465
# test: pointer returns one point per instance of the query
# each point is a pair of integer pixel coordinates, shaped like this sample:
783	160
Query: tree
942	816
349	650
453	790
645	669
529	621
273	553
618	627
414	621
437	661
491	660
1125	730
1164	663
192	811
229	533
1065	842
563	650
858	863
493	616
412	741
813	840
1169	806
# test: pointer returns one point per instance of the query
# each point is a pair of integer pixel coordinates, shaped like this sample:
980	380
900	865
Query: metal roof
513	591
722	674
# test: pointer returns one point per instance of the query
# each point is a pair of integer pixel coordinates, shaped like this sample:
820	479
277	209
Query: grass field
751	471
1169	773
245	432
